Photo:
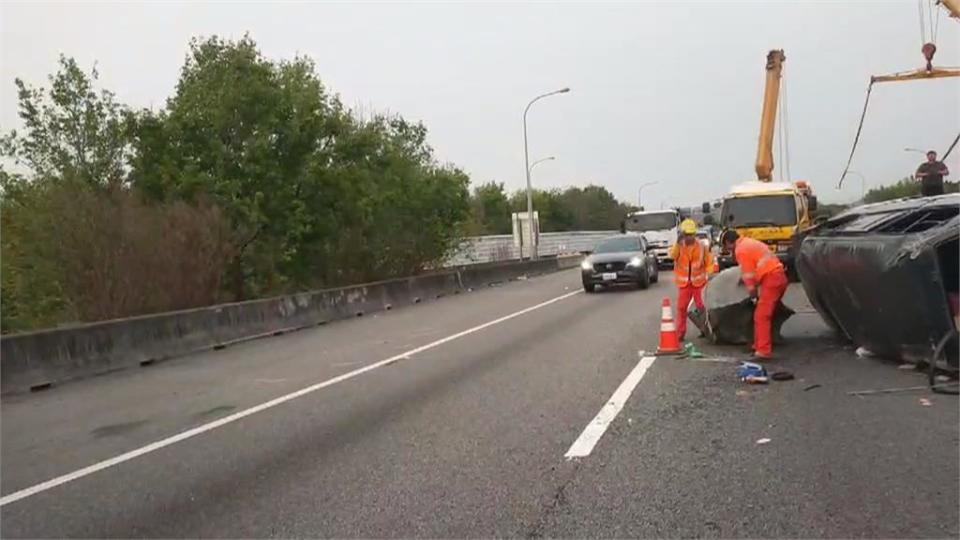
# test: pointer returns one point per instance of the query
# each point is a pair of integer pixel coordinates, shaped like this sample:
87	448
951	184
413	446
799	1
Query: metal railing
500	247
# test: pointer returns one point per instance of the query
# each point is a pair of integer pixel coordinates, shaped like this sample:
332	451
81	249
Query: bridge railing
500	247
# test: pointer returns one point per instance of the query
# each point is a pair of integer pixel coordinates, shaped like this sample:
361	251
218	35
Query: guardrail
37	360
500	247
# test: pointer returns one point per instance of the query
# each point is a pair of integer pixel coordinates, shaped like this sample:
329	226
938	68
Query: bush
74	253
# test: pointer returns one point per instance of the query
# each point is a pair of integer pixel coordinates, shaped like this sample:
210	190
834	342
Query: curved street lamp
526	161
863	184
640	193
537	162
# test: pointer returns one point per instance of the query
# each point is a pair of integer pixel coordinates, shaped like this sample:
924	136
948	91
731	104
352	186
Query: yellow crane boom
768	115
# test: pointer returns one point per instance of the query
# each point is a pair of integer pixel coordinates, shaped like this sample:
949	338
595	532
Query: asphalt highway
530	409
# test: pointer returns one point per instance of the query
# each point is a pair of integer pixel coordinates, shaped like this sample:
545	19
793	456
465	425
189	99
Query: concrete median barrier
37	360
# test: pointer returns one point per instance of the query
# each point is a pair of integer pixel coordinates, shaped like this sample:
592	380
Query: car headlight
586	265
636	261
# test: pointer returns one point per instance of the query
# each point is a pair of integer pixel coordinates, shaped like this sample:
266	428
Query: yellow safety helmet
688	226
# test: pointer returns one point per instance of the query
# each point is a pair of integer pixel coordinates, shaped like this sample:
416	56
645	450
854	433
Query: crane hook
928	50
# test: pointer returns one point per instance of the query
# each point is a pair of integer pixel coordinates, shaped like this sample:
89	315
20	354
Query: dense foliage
906	187
251	180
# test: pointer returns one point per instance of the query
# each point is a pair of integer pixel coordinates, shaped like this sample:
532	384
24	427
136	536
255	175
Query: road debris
763	441
751	373
907	367
897	390
926	402
782	376
691	351
811	387
863	352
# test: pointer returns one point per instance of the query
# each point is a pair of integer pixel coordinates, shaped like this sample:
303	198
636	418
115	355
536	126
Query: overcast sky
666	92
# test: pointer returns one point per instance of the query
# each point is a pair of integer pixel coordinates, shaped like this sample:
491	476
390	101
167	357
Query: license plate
609	276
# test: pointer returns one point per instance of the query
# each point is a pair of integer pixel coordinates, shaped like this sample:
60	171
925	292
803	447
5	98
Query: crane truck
772	212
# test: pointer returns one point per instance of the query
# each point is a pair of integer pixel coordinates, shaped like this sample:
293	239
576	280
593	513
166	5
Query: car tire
644	281
655	278
589	287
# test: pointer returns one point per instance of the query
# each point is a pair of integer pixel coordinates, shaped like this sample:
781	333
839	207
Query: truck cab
659	227
772	212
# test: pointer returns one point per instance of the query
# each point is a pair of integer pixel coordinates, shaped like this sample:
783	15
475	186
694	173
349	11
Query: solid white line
96	467
596	428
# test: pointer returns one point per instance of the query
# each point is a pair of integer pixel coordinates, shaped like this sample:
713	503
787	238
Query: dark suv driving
619	260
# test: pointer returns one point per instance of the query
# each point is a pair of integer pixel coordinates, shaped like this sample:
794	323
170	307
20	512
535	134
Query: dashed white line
152	447
598	426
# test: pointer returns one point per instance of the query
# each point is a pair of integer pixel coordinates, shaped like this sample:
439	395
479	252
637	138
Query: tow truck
772	212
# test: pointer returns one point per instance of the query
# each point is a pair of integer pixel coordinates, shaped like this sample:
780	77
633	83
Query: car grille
609	266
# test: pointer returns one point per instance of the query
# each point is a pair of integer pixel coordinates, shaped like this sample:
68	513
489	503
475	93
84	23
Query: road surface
526	410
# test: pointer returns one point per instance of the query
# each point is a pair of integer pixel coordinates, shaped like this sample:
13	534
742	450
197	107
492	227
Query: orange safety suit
690	266
760	268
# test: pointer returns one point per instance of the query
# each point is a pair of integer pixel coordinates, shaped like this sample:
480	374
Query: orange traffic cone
669	343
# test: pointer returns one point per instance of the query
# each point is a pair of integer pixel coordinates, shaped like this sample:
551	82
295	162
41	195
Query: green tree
554	215
594	208
71	130
246	132
489	210
906	187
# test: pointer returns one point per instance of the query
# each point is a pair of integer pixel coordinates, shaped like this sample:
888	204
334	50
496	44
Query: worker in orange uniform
765	278
691	262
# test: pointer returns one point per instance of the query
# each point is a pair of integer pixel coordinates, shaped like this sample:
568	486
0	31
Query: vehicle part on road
932	366
729	314
669	342
953	384
886	276
782	376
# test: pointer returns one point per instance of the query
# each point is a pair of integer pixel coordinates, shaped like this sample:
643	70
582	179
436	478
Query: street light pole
640	193
537	162
526	161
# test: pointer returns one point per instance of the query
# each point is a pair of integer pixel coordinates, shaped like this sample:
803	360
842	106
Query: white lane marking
598	426
96	467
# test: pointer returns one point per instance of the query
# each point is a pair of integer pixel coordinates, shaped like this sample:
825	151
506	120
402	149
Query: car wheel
644	281
589	287
655	277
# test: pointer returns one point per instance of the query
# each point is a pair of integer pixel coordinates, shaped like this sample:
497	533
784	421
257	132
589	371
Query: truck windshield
775	210
618	245
651	222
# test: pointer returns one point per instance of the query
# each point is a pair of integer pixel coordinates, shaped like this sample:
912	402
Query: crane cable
779	136
786	128
923	29
863	115
952	145
856	138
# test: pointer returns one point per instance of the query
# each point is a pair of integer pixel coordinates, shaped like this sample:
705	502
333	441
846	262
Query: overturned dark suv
887	276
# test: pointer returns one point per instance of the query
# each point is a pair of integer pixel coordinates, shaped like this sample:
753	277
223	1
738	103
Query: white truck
660	227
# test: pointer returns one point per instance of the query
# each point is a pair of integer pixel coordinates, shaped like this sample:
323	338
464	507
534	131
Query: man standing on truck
763	274
691	262
930	175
